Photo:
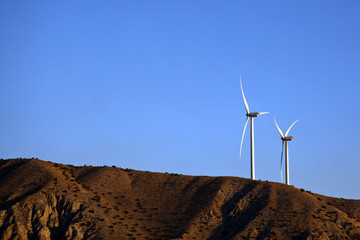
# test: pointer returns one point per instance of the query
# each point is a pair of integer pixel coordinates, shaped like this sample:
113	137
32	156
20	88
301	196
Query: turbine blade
281	171
281	133
287	132
264	113
242	138
245	102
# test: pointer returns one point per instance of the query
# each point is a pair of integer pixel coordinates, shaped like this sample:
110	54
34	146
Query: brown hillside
44	200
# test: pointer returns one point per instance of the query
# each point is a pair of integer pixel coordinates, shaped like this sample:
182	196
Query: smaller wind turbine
285	138
250	115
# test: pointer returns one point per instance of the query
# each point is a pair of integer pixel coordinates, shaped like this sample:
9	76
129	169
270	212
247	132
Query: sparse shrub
84	185
97	198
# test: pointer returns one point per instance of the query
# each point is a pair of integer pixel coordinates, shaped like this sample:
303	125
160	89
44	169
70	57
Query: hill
44	200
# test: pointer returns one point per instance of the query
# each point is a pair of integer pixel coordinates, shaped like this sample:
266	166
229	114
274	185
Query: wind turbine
285	138
251	116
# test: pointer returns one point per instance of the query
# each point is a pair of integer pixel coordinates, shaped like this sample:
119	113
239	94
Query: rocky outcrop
48	217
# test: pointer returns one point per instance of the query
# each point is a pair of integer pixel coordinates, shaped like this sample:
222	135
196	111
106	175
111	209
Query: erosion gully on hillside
45	200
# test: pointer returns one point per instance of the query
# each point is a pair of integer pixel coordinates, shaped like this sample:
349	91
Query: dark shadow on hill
302	236
234	224
200	200
8	170
8	204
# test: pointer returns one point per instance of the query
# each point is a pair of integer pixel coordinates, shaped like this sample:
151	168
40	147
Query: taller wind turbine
251	116
285	138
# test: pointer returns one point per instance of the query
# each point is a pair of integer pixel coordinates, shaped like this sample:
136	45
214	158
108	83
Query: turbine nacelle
254	114
288	138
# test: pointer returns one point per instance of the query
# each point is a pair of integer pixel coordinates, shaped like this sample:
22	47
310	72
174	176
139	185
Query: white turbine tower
251	116
285	138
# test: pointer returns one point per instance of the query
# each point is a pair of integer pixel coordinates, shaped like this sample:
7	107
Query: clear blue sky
154	85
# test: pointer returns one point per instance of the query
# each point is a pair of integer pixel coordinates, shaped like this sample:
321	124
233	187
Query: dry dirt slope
44	200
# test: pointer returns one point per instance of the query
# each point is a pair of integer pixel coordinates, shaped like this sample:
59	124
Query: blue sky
154	85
